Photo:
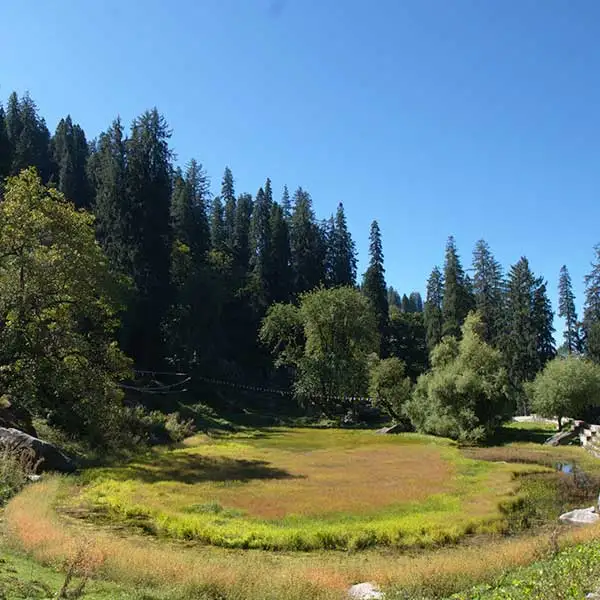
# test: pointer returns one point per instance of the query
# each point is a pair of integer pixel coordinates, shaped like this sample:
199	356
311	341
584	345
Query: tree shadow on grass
194	468
510	435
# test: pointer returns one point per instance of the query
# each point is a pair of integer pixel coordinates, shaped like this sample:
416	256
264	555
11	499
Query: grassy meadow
308	489
408	496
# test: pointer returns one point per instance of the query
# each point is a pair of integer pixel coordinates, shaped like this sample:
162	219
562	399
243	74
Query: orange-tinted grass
35	527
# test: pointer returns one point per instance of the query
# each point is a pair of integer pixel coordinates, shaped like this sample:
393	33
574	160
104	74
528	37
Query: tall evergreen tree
306	244
374	286
149	191
5	146
261	255
107	169
433	308
416	301
218	235
29	137
405	304
70	152
343	251
243	216
521	340
197	186
280	259
394	298
229	205
286	203
488	287
543	318
566	310
591	311
457	300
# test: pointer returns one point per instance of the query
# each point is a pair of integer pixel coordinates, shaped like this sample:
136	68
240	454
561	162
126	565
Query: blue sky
436	117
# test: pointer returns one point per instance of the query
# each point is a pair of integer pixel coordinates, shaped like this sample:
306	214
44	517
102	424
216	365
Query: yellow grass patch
306	489
33	525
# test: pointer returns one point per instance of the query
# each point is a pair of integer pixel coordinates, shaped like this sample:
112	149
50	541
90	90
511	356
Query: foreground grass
309	489
181	570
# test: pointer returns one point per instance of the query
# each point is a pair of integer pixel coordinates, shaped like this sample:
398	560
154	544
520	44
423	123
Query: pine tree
149	192
5	146
543	318
280	259
218	235
416	301
286	203
198	193
306	244
107	170
488	288
433	308
29	137
260	256
405	304
566	310
343	251
374	286
229	206
70	154
521	341
591	311
243	215
457	300
394	298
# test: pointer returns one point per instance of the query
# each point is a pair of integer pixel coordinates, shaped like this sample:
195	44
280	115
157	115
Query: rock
365	591
397	428
581	516
593	596
52	458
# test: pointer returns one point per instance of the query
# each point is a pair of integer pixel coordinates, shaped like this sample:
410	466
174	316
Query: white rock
365	591
581	516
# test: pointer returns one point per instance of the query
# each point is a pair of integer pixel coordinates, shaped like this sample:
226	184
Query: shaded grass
309	489
193	571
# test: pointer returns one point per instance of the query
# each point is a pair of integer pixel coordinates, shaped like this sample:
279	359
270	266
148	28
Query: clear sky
476	118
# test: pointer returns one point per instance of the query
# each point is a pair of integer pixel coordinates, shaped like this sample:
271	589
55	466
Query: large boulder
581	516
51	457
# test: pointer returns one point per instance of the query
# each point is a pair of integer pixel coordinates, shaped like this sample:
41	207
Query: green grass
21	578
308	489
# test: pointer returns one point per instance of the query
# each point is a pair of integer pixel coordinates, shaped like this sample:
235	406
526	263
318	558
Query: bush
389	386
16	464
566	387
155	427
465	395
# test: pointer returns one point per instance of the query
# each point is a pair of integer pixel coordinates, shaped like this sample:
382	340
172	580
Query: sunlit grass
34	526
307	489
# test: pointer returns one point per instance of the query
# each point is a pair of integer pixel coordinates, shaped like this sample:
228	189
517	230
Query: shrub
566	386
465	395
16	464
389	386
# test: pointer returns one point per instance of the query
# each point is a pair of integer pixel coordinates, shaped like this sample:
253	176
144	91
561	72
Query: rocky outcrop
51	458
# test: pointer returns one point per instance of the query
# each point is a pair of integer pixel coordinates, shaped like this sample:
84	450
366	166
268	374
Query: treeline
204	269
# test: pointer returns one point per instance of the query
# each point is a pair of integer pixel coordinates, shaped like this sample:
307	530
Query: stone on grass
51	458
365	591
581	516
